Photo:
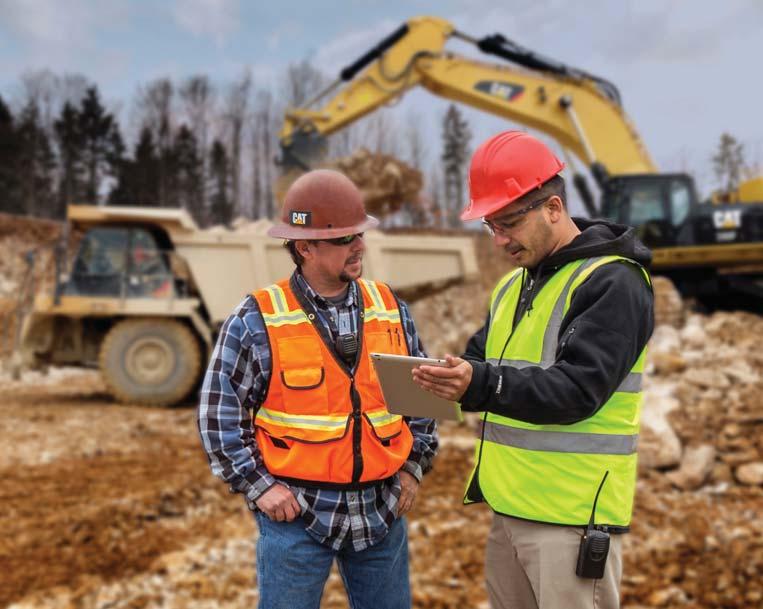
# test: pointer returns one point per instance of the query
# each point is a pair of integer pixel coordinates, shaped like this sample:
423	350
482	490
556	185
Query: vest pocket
302	375
384	428
302	379
377	342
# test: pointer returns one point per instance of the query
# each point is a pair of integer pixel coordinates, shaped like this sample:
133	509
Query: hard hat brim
282	230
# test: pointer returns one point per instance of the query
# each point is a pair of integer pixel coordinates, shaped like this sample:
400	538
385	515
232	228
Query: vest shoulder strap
601	261
501	288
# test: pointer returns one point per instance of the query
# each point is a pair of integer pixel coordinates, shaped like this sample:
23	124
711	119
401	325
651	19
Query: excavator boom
581	111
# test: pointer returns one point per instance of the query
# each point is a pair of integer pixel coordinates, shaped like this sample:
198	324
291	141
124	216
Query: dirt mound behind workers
386	182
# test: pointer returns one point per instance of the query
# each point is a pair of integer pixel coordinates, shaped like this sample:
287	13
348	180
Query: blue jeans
292	568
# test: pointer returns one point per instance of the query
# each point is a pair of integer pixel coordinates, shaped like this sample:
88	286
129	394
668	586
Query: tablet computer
403	395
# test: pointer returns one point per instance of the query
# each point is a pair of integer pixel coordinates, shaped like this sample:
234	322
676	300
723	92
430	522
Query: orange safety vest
320	424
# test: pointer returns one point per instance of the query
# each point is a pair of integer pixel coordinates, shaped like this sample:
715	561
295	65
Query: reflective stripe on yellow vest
550	473
319	424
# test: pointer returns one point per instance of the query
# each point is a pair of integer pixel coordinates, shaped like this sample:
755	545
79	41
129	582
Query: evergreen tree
138	178
188	174
71	183
36	163
455	152
102	143
10	187
221	208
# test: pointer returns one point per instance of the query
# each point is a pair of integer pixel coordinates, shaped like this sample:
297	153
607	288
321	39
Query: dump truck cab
122	261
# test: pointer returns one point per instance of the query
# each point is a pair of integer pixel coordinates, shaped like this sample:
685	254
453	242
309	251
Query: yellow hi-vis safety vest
550	473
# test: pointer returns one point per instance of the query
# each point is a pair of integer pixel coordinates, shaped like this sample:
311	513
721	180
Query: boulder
750	474
696	465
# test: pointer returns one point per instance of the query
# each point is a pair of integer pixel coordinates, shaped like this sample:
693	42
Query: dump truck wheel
150	361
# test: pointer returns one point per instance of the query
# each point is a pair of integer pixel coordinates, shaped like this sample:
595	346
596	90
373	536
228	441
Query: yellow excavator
713	251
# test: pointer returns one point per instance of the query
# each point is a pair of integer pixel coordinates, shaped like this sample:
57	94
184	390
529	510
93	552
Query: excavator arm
580	111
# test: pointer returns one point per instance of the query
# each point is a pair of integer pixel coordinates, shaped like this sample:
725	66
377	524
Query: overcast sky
688	70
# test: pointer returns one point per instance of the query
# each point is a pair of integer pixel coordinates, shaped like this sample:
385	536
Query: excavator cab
661	206
666	212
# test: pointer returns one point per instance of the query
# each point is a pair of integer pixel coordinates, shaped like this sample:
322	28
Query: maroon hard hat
322	204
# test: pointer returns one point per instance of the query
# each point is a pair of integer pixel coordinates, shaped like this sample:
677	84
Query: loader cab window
100	264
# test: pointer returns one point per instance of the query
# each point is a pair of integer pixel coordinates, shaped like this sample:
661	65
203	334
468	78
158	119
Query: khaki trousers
529	565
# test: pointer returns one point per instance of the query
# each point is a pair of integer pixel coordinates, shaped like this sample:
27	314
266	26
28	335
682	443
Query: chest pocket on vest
379	342
303	377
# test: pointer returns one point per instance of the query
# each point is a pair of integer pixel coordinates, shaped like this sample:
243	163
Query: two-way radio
594	546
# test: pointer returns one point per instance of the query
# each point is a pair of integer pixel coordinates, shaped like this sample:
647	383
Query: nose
500	239
358	244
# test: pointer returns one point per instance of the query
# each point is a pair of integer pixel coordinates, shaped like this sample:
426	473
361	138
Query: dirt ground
106	505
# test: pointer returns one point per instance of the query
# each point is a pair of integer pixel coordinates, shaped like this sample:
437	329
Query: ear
555	209
303	247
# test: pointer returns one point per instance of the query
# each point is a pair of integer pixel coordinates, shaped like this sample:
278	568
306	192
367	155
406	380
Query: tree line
193	144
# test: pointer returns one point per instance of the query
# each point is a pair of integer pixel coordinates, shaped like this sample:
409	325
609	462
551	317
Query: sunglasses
500	228
346	240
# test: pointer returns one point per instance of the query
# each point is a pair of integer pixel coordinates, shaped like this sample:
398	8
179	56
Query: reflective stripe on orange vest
319	423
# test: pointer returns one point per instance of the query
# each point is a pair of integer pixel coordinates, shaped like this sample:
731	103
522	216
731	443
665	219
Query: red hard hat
322	204
504	168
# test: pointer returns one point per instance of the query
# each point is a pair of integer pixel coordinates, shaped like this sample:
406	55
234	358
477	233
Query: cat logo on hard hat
300	218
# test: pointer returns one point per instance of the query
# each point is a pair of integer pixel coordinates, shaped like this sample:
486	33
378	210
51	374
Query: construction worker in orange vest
292	414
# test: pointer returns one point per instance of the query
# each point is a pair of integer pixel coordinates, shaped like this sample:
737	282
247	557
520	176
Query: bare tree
41	90
198	97
235	116
728	162
301	82
73	88
415	140
263	133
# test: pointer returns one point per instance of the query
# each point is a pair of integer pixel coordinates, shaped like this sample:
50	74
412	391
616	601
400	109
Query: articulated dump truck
147	291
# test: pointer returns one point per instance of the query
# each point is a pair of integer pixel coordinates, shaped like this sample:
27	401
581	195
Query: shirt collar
313	296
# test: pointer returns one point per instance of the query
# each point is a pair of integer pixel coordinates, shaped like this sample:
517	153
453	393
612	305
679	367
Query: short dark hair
295	255
554	186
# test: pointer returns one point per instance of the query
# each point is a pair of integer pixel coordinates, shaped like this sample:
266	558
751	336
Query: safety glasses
346	240
511	221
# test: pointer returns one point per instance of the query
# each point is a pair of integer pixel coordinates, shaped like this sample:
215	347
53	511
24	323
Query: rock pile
386	182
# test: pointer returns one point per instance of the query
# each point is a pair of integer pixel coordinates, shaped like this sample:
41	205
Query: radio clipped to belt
594	546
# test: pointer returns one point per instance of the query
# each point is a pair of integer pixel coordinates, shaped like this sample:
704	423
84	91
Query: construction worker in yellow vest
292	415
557	371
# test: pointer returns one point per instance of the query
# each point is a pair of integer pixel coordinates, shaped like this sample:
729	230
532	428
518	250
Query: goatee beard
345	277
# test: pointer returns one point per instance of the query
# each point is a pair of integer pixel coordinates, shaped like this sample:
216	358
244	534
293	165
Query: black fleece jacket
612	316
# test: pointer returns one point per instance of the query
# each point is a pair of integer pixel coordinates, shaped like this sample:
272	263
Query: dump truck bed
226	265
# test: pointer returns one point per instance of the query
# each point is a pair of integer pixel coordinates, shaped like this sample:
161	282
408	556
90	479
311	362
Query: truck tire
153	362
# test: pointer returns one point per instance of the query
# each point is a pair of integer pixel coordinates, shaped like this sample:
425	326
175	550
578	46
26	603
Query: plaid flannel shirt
234	387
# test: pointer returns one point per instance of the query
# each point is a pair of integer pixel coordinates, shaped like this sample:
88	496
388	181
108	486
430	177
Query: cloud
62	36
58	25
214	18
